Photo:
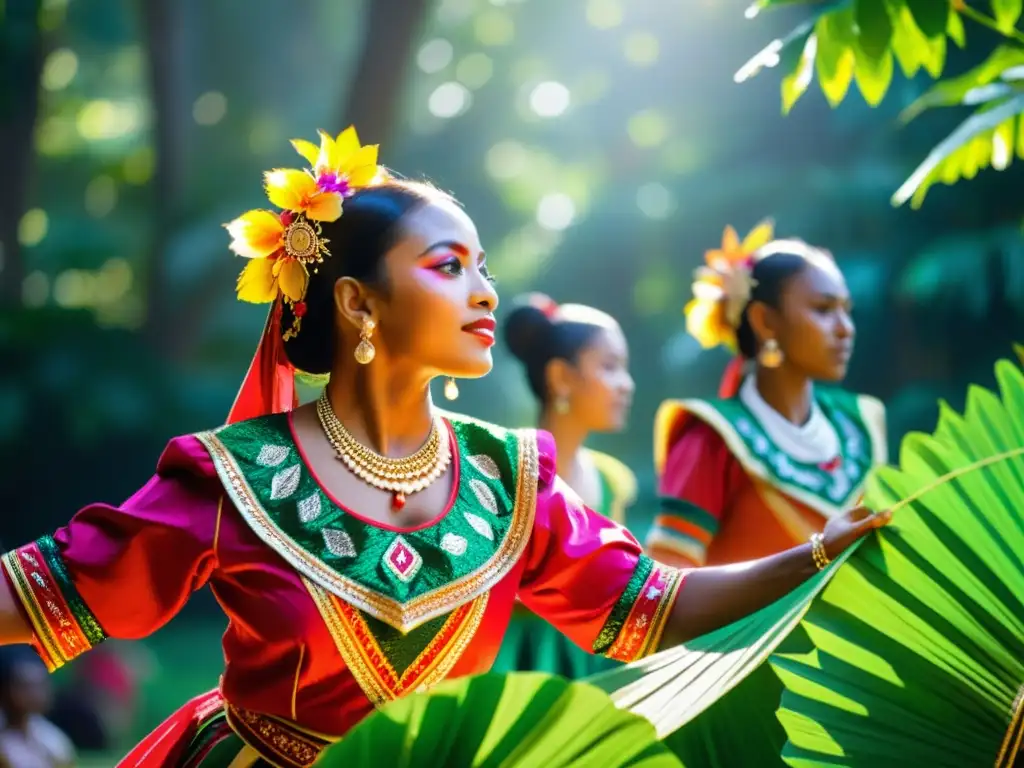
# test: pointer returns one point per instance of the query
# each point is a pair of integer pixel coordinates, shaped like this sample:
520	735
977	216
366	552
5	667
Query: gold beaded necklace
400	476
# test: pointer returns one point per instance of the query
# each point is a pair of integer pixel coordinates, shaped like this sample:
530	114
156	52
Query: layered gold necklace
399	476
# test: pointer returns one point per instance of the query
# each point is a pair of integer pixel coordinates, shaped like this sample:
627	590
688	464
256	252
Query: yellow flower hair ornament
722	288
283	246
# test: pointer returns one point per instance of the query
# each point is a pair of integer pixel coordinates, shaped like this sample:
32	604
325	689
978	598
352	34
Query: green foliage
847	41
992	136
858	41
919	639
520	719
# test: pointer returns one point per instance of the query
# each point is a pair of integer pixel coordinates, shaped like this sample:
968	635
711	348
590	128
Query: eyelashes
454	268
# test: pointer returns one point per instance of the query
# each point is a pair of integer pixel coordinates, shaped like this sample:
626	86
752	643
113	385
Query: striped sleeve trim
683	529
62	625
620	612
641	614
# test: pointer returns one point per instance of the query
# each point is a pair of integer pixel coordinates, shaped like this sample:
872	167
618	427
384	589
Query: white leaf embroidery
484	495
454	544
309	508
486	466
272	455
339	543
479	525
285	482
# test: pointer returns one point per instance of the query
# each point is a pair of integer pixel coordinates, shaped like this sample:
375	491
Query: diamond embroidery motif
486	466
309	508
479	525
285	483
339	543
454	544
272	455
402	560
484	495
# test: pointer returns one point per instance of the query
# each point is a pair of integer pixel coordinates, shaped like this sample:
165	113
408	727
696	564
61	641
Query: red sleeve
589	577
692	495
122	571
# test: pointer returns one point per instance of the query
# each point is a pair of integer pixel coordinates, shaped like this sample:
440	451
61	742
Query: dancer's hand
840	532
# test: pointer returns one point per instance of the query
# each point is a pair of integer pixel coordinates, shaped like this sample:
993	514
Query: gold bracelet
821	559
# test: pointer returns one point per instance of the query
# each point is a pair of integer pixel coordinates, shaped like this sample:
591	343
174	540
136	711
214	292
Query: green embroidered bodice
399	579
857	420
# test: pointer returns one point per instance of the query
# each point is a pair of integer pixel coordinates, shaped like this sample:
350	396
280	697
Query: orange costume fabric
729	492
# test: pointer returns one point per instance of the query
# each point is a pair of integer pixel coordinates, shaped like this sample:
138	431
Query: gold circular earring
365	351
770	355
451	389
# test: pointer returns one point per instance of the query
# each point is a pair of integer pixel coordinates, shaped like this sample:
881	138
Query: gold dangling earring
561	405
451	389
770	355
365	351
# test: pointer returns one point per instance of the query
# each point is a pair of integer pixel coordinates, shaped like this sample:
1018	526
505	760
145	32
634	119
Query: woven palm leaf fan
518	720
919	639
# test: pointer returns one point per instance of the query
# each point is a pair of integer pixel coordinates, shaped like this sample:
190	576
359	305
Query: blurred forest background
600	145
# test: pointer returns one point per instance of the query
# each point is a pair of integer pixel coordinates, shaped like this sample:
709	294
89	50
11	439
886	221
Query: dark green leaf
874	28
873	76
1006	13
955	90
931	16
800	72
976	124
955	30
912	47
835	59
909	45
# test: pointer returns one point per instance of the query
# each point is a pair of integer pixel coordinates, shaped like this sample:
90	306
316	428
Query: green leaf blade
1006	14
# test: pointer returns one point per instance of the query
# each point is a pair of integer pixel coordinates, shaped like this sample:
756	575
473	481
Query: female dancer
767	464
361	546
576	362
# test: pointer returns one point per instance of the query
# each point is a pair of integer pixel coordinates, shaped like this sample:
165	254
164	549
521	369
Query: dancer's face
597	385
438	312
814	328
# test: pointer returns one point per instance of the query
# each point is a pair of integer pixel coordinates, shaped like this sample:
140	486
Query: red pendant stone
832	465
398	502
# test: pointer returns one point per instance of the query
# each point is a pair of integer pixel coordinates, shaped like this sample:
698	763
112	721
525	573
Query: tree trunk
390	34
161	29
21	62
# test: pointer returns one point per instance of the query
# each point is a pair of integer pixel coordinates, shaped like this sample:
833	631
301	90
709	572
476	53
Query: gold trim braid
1010	747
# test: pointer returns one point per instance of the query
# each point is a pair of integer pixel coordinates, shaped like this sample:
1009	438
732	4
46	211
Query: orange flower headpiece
283	246
721	288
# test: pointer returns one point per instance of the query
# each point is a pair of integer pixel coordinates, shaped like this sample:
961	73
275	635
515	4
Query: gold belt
280	742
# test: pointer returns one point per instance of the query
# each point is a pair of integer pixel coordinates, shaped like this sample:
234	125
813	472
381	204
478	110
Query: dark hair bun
527	329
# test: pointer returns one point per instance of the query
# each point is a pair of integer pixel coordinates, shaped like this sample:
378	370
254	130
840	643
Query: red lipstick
483	329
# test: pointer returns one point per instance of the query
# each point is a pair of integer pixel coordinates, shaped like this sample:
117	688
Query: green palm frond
919	639
674	687
523	719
